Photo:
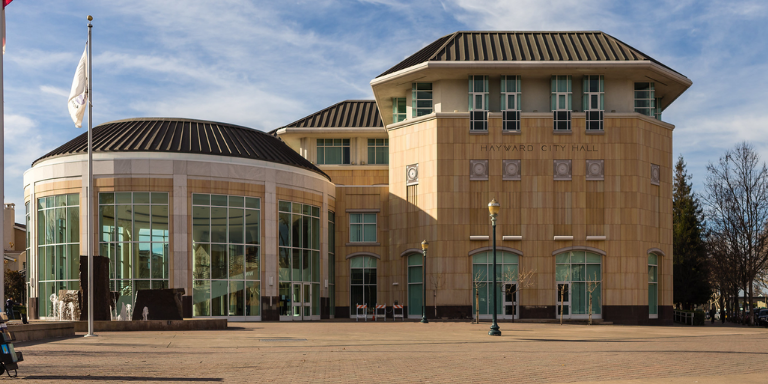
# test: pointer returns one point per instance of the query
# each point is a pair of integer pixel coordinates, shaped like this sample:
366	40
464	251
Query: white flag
78	95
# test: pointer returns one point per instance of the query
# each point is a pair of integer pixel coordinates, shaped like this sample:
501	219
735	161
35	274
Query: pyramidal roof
524	46
345	114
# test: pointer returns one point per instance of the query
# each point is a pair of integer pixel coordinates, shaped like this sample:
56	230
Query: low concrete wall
153	325
42	330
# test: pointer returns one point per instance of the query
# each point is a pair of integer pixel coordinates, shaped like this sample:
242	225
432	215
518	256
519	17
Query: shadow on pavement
121	378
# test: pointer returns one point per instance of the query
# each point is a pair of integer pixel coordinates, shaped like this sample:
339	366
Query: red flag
6	2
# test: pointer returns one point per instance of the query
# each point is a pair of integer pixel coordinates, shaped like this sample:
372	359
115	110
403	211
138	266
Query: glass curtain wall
582	271
27	270
415	284
362	283
134	235
482	280
653	285
332	262
226	266
58	247
299	258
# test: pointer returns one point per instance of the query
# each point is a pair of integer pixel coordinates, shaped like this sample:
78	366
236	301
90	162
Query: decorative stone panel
562	169
478	170
412	174
655	174
595	170
510	169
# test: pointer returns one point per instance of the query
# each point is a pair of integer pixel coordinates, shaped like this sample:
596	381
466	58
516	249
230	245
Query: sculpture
55	304
145	314
123	315
130	312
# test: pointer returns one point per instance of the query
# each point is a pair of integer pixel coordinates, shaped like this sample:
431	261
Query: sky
266	64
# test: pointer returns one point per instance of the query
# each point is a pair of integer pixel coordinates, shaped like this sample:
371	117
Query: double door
301	301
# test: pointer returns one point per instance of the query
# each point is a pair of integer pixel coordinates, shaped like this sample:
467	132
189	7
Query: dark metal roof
184	136
346	114
525	46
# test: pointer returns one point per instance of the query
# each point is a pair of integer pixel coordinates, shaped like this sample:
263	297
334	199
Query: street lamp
424	246
493	208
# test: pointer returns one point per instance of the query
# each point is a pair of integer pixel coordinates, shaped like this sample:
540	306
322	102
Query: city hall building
328	213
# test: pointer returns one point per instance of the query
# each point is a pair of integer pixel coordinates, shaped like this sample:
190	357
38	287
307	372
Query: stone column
180	211
269	284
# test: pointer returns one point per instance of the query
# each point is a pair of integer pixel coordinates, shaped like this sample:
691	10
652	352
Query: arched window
653	286
415	284
579	276
506	282
362	283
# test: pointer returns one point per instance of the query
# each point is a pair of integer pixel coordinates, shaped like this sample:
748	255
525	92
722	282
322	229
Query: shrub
698	317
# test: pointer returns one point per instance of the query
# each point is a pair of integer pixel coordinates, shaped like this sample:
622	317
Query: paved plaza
407	352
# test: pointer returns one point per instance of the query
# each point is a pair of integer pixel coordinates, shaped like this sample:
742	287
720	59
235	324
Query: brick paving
439	352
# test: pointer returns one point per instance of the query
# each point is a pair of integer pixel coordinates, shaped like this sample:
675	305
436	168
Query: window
362	283
478	103
398	109
653	286
332	261
226	266
58	247
593	102
482	282
362	227
421	99
299	260
134	234
645	99
378	151
333	151
29	247
510	103
415	284
657	110
576	274
560	102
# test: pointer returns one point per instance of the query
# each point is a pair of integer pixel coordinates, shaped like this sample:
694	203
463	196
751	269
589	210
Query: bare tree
523	278
436	281
592	285
478	281
562	291
737	210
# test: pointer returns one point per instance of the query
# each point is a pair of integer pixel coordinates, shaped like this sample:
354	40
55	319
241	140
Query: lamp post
493	208
424	246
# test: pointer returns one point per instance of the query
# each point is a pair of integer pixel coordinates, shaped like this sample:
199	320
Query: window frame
344	144
561	114
373	151
653	282
420	89
363	224
371	306
399	114
510	116
585	280
478	91
645	95
412	285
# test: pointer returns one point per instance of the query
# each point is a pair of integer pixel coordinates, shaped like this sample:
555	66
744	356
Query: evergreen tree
691	270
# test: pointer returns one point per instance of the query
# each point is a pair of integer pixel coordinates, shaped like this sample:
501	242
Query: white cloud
54	90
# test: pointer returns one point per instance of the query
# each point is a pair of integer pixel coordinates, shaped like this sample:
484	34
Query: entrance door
509	305
302	301
563	299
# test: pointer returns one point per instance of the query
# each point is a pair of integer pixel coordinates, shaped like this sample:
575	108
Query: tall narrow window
478	103
415	284
560	103
333	151
510	103
58	247
398	109
378	151
657	110
362	227
332	262
421	102
653	286
578	276
506	284
226	267
592	102
645	99
362	283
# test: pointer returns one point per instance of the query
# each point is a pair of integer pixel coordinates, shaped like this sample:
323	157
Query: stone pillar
181	270
269	283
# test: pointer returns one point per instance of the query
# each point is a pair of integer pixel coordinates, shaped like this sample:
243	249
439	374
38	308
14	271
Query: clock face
479	169
655	173
412	173
562	169
594	169
512	169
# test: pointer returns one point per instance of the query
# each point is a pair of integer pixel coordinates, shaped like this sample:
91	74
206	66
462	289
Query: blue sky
265	64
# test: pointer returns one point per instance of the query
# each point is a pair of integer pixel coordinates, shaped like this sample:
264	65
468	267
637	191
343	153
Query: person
9	307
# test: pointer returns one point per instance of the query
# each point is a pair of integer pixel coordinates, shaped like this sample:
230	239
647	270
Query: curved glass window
578	275
134	234
362	283
482	280
415	284
58	247
299	261
332	262
226	266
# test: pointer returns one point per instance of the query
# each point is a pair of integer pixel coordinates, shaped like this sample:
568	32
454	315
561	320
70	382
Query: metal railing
683	317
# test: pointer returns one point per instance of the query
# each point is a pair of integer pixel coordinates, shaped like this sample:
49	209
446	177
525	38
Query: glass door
296	302
564	299
307	303
510	301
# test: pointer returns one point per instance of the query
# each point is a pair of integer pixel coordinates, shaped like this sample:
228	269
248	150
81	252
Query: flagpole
89	189
2	163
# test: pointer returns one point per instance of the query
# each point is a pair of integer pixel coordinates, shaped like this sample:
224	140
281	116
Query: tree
737	209
478	281
14	286
524	279
690	267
